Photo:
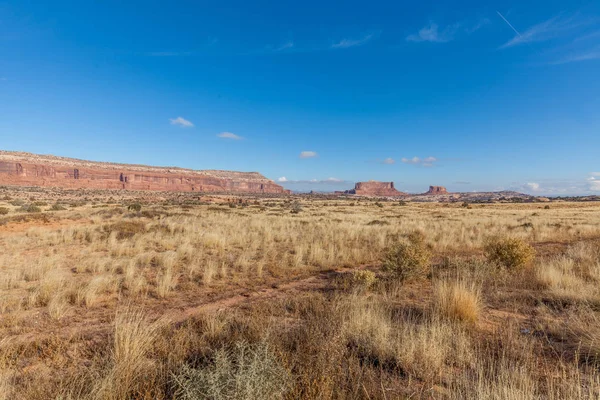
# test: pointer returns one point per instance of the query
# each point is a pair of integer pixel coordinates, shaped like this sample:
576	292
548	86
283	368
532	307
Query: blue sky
471	95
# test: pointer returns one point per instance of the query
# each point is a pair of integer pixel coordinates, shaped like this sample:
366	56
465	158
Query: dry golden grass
458	300
252	296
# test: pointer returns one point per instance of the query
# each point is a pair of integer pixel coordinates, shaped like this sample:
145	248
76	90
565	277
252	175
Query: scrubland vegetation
180	297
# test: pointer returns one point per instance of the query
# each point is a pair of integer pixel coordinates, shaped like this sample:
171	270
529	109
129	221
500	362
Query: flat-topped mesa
26	169
437	190
374	188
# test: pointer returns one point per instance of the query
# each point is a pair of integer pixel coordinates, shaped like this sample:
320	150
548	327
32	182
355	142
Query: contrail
509	24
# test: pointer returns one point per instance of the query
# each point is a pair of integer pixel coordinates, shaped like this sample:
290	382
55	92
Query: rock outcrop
374	188
437	190
26	169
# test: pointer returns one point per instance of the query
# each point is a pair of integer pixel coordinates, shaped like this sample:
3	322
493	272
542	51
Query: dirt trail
313	283
100	326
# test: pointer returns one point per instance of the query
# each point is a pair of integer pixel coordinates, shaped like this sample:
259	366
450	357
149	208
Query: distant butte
26	169
437	190
374	188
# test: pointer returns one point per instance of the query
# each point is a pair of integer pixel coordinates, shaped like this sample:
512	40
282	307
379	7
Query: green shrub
57	207
246	372
512	253
30	208
125	229
296	207
17	202
3	210
408	260
363	279
137	207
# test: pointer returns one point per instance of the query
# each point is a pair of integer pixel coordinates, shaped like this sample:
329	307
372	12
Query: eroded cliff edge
26	169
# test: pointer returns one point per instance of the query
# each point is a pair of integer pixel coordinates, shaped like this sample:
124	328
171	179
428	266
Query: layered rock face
437	190
25	169
374	188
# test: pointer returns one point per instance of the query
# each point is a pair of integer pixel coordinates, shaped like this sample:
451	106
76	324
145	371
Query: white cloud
229	135
594	182
546	30
389	161
594	185
592	54
424	162
285	46
184	123
282	179
432	33
533	186
346	43
308	154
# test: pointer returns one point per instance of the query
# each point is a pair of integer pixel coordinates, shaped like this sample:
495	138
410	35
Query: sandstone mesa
27	169
375	188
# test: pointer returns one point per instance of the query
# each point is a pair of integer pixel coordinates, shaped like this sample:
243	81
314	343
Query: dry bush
4	210
246	372
30	208
512	253
125	229
362	279
458	300
408	260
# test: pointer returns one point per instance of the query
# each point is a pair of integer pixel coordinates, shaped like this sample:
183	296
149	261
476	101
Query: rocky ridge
27	169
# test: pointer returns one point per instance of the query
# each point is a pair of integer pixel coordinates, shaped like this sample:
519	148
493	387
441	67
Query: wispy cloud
432	33
389	161
532	186
286	46
546	30
229	135
461	183
283	179
423	162
586	55
594	182
347	42
180	121
308	154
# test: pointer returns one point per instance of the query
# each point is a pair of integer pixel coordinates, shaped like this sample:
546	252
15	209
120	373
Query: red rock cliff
25	169
374	188
437	190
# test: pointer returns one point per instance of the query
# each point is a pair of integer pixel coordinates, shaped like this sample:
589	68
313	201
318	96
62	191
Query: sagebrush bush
408	260
137	207
363	279
3	210
30	208
125	229
245	373
512	253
